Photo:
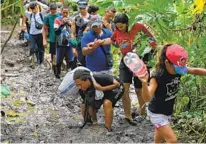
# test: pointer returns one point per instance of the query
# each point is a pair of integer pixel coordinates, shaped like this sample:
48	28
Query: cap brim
82	6
96	24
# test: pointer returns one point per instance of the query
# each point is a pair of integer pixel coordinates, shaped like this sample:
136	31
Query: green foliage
192	126
10	10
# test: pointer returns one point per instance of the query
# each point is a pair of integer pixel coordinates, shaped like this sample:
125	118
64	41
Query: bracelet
152	39
102	42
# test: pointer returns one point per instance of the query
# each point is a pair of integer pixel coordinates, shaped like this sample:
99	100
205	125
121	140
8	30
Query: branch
17	19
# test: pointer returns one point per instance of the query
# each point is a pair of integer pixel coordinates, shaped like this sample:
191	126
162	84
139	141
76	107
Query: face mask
181	70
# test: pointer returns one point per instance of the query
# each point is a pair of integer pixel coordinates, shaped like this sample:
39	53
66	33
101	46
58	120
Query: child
163	87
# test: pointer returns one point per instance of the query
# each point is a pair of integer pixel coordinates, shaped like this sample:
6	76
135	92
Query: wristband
152	39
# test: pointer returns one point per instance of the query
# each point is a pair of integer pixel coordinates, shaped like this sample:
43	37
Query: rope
85	113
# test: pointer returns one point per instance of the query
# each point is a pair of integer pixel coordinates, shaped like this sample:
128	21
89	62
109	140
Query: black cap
82	3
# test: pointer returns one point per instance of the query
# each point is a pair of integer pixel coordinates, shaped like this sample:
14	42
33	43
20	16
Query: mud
35	113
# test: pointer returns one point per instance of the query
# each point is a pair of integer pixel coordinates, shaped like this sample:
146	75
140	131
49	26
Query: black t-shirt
164	97
104	80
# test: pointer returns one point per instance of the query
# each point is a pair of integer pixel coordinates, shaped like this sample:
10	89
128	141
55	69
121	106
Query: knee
107	104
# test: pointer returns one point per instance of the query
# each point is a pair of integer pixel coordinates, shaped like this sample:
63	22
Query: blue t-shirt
96	61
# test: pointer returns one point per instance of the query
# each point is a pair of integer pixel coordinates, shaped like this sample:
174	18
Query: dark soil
34	112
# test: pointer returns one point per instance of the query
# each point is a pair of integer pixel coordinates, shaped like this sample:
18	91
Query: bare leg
92	113
157	137
126	101
141	101
108	112
167	133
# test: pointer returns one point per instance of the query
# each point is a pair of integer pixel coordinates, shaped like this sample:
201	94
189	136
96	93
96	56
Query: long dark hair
83	75
121	18
160	66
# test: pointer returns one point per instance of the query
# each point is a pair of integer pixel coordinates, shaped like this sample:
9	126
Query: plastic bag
68	85
4	90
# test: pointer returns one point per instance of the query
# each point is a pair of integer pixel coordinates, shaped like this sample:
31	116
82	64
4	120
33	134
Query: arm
145	31
23	24
152	41
57	26
87	49
106	24
73	27
197	71
115	84
45	7
108	41
148	91
45	31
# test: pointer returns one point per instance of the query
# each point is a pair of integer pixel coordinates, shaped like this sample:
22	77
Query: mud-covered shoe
31	60
131	122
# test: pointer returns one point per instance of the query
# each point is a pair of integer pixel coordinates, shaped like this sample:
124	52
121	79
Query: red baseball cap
177	55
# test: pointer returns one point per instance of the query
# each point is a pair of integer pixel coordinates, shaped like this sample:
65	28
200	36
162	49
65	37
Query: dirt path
36	114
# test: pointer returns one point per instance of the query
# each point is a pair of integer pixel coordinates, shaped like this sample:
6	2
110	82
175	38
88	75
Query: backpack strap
30	16
41	16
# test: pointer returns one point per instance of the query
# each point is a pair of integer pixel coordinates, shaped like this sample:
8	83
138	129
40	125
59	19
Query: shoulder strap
30	16
100	45
103	50
41	16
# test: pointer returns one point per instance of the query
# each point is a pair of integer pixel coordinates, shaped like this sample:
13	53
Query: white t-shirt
33	29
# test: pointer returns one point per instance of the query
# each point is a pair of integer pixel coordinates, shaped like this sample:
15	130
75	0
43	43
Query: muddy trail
35	113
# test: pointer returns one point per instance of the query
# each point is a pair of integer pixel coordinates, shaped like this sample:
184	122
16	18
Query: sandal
131	122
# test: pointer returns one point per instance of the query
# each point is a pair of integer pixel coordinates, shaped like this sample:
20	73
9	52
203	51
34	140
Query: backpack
64	36
81	25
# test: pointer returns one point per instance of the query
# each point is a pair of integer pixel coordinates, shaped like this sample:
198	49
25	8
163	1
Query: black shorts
126	76
113	96
52	48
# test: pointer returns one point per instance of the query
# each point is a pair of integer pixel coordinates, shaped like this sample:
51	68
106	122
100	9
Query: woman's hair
82	74
160	66
121	18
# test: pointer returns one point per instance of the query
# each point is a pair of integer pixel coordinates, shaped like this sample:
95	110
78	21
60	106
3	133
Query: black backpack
80	26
